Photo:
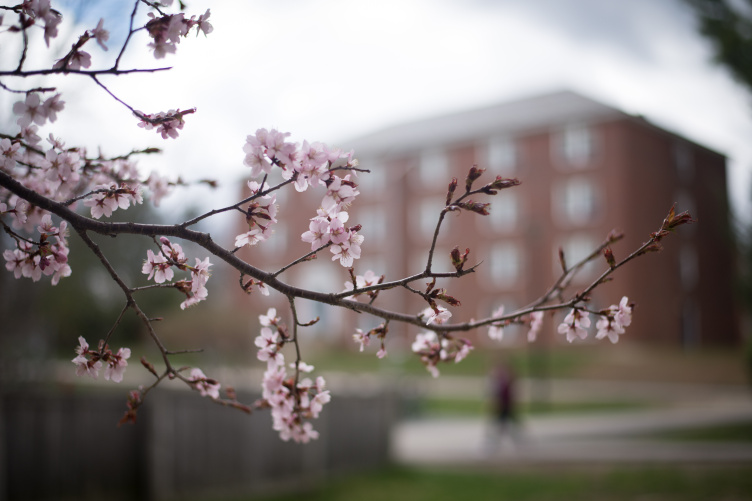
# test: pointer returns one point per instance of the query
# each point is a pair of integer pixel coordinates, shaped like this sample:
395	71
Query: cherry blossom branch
307	257
88	73
36	184
117	322
236	206
128	37
205	241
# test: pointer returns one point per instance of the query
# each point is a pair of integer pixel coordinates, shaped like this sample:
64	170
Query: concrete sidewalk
611	437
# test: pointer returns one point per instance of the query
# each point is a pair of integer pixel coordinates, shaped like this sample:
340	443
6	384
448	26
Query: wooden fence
67	446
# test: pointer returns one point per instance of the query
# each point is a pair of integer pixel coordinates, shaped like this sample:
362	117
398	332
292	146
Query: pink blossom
157	266
159	187
318	401
337	232
536	322
463	351
100	34
317	234
75	60
116	365
9	154
496	330
52	106
204	25
108	198
367	279
31	110
608	327
438	316
206	387
269	345
623	312
361	337
340	192
29	134
302	366
251	237
311	167
14	261
270	318
345	253
382	352
87	362
427	345
255	157
278	149
574	325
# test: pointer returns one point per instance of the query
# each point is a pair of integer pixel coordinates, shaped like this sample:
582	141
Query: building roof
504	118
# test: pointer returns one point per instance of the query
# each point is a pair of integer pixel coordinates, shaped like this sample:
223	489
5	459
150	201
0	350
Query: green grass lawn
736	432
600	484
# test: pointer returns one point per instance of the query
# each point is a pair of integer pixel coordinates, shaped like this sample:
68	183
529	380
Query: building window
276	244
424	217
686	202
441	262
575	145
373	220
688	267
505	260
373	181
576	247
321	276
690	324
433	168
683	160
575	201
505	213
501	156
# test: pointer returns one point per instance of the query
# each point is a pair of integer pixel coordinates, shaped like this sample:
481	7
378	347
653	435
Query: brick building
586	168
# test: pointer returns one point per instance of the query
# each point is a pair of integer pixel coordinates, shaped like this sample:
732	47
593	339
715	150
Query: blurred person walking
503	427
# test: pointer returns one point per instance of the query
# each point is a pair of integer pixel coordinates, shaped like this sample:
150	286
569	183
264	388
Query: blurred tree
39	320
728	26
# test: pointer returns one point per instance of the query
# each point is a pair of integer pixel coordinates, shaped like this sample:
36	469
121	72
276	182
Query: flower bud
477	207
450	192
674	220
562	260
149	366
458	260
609	255
614	236
474	174
450	300
499	184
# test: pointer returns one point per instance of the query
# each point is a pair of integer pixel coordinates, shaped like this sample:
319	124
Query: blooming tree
49	189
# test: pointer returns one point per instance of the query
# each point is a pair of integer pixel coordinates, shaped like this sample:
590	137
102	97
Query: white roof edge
511	117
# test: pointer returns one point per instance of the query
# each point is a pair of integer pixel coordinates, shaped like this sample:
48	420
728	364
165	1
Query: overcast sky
333	69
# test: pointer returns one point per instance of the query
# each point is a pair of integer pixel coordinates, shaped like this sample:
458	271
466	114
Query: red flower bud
477	207
499	184
562	260
458	260
474	174
450	192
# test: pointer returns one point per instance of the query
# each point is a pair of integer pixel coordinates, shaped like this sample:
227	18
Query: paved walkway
613	437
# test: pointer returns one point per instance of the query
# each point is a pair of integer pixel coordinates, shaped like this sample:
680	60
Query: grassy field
543	484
